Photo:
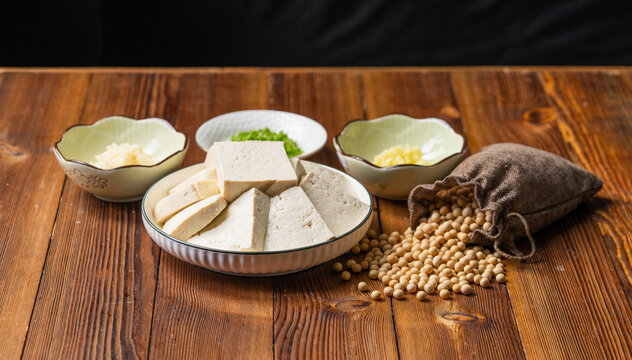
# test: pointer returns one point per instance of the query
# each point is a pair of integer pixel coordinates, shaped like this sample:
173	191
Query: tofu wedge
333	197
240	227
293	222
194	218
176	201
197	187
203	179
242	165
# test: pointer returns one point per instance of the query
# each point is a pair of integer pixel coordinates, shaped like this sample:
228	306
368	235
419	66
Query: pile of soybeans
435	258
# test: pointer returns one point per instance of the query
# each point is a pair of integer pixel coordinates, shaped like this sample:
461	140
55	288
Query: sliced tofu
297	164
199	186
241	227
302	167
206	177
206	188
242	165
176	201
334	198
194	217
294	222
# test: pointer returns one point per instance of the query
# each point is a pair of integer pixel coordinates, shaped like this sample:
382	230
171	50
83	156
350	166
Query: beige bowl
361	140
81	143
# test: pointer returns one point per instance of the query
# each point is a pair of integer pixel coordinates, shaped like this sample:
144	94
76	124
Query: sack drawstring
527	231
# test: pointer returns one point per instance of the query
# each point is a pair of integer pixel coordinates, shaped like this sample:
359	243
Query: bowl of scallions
301	135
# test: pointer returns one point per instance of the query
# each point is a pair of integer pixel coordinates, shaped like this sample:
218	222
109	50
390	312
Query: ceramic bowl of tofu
360	141
214	246
156	138
308	134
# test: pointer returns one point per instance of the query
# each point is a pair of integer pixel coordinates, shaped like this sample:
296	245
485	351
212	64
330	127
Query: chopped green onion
268	135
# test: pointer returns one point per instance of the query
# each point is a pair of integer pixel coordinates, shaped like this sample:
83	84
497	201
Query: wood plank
35	109
463	326
316	315
554	303
328	69
97	292
201	314
595	120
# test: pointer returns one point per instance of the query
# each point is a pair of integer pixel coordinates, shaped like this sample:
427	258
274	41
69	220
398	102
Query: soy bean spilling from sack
435	258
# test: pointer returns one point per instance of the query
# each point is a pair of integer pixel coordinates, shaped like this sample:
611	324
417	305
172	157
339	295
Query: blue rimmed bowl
251	263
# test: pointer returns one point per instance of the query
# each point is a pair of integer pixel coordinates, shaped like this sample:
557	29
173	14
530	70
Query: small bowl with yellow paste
392	154
117	158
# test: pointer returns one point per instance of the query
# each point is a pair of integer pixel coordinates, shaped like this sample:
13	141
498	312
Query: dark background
315	33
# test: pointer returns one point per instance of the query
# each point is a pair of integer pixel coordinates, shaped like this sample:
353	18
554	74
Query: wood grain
556	295
80	278
97	291
34	111
200	314
317	315
604	99
460	327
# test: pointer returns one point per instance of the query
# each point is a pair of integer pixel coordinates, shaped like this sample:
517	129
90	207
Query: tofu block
242	165
334	198
194	218
206	177
176	201
293	222
240	227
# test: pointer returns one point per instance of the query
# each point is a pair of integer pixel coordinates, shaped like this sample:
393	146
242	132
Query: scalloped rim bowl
308	134
361	140
262	263
80	143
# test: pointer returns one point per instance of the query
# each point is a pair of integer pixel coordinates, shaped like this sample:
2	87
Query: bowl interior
309	135
156	136
159	190
366	139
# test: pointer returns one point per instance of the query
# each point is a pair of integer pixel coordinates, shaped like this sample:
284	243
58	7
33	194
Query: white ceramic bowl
309	135
80	143
265	263
361	140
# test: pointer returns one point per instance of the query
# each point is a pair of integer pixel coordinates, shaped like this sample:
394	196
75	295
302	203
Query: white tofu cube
242	165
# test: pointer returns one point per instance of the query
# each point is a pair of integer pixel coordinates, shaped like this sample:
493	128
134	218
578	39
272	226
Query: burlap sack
526	188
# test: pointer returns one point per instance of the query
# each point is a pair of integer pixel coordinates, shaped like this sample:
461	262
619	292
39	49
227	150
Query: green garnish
268	135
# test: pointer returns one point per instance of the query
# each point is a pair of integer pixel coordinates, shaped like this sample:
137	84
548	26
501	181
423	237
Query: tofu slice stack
199	186
205	181
242	165
249	198
241	227
332	196
293	222
192	219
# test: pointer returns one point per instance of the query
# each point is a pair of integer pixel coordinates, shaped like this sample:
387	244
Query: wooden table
80	278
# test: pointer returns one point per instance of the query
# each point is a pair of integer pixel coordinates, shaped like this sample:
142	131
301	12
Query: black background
315	33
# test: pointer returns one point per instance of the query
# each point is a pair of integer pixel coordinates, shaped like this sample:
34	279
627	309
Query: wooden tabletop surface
80	278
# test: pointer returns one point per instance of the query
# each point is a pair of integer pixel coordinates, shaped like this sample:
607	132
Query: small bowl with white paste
117	158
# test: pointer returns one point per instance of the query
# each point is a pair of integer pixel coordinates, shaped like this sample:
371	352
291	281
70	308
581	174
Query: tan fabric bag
526	188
